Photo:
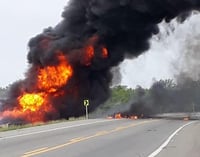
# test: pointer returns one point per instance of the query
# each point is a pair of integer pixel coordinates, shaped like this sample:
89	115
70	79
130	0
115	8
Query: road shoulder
185	143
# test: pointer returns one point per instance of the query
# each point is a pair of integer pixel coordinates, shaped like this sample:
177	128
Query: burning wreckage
73	60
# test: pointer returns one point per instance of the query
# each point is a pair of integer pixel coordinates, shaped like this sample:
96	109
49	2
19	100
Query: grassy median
8	127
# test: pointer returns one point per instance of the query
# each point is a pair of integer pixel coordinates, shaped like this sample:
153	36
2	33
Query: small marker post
86	104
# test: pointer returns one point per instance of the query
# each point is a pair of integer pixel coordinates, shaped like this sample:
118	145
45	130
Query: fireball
31	102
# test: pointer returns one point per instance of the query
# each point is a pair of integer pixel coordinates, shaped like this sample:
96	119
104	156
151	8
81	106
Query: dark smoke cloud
165	96
123	26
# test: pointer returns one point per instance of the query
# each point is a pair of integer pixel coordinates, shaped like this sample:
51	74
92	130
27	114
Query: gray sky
23	19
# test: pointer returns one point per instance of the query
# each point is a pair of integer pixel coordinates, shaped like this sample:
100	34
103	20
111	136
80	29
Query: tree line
164	96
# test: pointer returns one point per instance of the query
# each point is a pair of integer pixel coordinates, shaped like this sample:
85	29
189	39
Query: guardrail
192	115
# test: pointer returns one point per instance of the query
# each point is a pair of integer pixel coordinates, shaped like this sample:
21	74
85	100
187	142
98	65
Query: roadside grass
9	127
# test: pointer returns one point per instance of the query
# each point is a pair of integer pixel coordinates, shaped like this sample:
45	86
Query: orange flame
31	102
134	117
89	54
28	115
52	77
118	116
104	52
32	106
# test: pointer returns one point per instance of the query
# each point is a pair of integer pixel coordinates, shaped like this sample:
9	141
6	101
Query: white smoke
174	51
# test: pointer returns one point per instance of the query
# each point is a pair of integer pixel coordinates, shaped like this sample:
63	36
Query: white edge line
54	129
157	151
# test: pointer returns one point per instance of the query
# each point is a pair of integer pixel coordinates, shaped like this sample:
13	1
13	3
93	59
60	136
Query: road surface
103	138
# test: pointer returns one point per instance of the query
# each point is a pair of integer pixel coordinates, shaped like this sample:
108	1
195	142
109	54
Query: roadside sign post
86	104
86	112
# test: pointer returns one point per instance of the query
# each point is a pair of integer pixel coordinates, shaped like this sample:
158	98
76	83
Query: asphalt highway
104	138
185	144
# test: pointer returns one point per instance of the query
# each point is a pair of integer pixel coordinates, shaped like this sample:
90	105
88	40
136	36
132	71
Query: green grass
16	127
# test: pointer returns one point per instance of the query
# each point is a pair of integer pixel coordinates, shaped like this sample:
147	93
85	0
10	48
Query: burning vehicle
120	115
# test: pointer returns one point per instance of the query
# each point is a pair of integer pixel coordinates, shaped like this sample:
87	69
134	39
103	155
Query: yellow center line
101	133
76	139
79	139
37	150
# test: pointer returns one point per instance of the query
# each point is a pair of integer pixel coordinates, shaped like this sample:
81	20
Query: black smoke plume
165	96
124	27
